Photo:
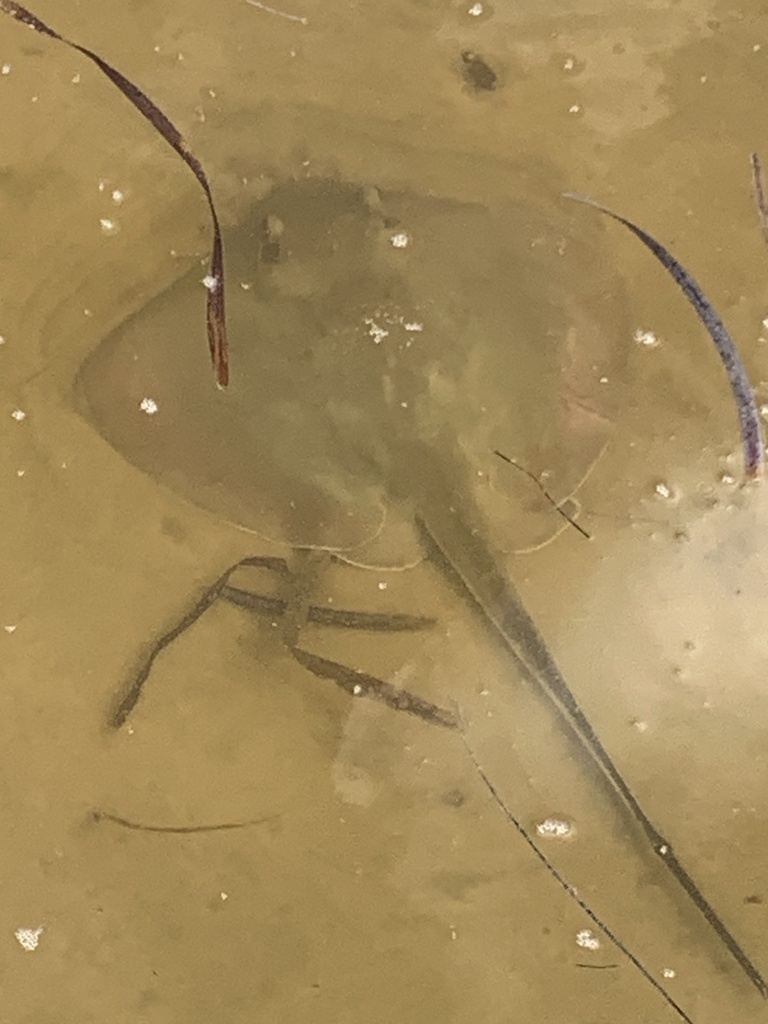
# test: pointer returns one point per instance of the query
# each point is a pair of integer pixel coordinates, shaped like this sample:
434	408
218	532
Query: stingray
322	437
377	364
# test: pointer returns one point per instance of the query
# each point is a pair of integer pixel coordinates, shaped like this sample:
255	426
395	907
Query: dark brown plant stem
758	185
179	830
216	317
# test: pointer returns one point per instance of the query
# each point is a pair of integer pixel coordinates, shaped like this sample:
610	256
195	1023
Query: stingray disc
366	329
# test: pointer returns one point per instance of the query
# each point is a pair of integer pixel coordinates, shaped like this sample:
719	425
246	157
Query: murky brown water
386	885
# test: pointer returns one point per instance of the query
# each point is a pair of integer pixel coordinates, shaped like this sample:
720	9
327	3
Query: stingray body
378	338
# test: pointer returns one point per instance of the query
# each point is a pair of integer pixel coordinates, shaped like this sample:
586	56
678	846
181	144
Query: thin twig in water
758	184
598	967
569	889
216	318
545	492
749	418
280	14
182	830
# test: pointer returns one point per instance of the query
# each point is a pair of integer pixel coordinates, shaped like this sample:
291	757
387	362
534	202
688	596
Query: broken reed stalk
215	315
751	430
180	830
758	186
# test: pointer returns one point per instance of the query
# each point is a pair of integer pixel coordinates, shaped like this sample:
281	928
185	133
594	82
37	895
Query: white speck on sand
10	629
28	938
587	939
555	828
400	240
476	10
376	332
647	338
669	973
19	415
210	282
148	405
108	226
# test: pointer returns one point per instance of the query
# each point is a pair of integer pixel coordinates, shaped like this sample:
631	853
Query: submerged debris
181	830
758	184
217	334
751	429
557	507
478	74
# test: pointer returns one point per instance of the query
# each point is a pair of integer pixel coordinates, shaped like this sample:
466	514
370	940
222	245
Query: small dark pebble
478	74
